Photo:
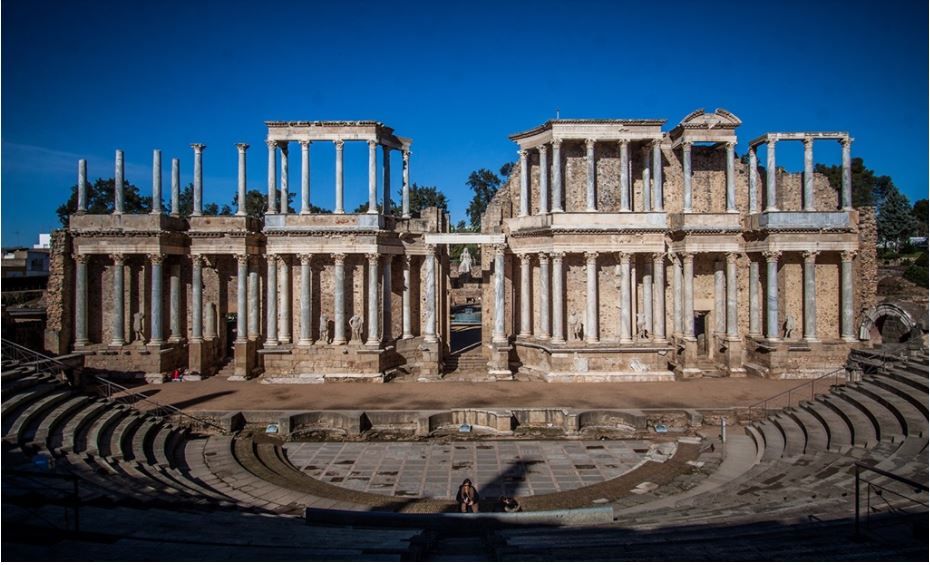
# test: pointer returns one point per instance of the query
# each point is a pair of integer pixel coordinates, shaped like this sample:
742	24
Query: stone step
817	435
919	382
38	408
840	434
95	441
795	438
119	432
54	420
15	404
912	421
864	430
885	422
135	445
774	440
909	394
66	438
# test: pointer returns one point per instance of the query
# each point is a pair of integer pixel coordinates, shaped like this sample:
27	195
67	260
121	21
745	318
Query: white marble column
526	300
771	294
386	179
543	180
196	298
405	298
770	178
657	194
405	194
82	187
373	317
284	208
807	199
810	296
156	182
254	299
118	323
175	187
846	196
118	183
386	300
731	178
846	295
688	284
755	306
591	190
429	332
558	298
372	177
499	336
753	180
174	302
626	333
80	300
625	200
340	178
688	198
242	298
156	300
543	296
240	194
647	182
720	299
677	291
557	175
272	176
591	323
647	296
524	184
284	297
732	297
658	301
198	178
305	177
306	298
339	299
271	302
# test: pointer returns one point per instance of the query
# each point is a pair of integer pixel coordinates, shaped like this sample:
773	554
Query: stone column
498	335
386	292
625	199
557	175
339	177
810	296
405	306
198	178
732	297
373	318
175	188
429	333
688	306
755	310
272	176
196	298
271	302
543	180
753	181
284	296
720	299
524	184
304	177
339	300
405	196
677	290
647	297
285	178
590	328
157	332
156	182
386	176
240	196
209	324
118	323
526	300
174	302
306	297
626	334
808	196
543	296
254	299
846	198
591	195
657	198
118	183
686	173
558	297
731	178
846	296
372	178
647	183
771	294
658	301
242	298
80	300
770	200
82	187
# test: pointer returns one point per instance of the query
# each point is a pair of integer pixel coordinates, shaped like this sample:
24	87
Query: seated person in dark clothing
467	497
509	504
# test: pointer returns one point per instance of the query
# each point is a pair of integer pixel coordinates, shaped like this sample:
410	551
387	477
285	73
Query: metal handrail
14	350
859	467
763	404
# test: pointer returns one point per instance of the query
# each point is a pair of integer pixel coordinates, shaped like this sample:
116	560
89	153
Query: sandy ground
219	394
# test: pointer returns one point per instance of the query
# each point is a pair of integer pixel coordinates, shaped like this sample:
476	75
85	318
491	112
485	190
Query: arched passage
886	323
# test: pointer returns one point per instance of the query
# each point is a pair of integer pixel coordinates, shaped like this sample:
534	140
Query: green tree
420	197
100	197
868	189
920	212
484	185
918	272
895	218
256	204
186	204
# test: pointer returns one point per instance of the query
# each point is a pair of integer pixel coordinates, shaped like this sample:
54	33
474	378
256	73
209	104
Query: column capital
847	256
156	258
372	258
686	145
541	149
524	258
771	142
845	141
304	144
386	149
522	153
658	257
271	143
118	258
623	142
81	258
687	257
556	142
657	143
339	143
372	144
589	143
283	145
558	255
242	147
430	249
771	256
406	154
732	257
590	256
305	258
730	144
624	256
339	258
242	259
499	249
808	141
198	147
810	256
197	259
543	258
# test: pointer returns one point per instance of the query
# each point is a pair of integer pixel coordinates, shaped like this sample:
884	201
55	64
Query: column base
83	343
156	343
625	341
117	343
407	336
850	339
558	340
305	341
811	340
268	343
339	342
240	214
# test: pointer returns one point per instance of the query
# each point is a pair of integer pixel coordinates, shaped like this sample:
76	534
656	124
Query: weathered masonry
616	251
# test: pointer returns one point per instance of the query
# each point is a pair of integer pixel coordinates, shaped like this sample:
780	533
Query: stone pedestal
733	356
202	356
244	360
499	362
430	354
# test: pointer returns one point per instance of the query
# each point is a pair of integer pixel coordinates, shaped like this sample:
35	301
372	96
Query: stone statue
641	330
864	333
790	326
575	325
324	328
138	325
465	262
355	322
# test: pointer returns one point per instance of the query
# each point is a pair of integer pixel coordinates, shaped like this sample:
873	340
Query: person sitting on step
467	497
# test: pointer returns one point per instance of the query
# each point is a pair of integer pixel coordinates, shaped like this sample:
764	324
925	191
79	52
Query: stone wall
59	299
866	272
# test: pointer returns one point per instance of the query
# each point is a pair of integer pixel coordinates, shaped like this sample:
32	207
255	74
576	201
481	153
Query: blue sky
82	79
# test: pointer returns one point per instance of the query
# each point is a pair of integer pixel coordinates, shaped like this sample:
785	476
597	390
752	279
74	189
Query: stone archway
886	323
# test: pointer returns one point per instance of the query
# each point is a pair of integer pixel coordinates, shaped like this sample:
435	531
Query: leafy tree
256	204
506	169
867	188
420	197
918	272
455	251
484	185
186	204
920	212
100	200
895	218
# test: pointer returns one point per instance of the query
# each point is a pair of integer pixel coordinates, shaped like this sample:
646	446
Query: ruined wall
866	262
59	298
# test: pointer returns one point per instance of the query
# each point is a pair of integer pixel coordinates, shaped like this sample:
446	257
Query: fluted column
118	183
543	296
340	178
242	298
198	178
386	292
386	176
156	182
732	297
771	294
284	297
591	195
271	302
626	334
118	322
647	182
525	295
429	332
688	284
285	178
304	177
339	299
82	187
810	296
543	180
558	297
720	299
658	301
686	174
156	302
755	307
240	194
524	184
770	177
498	335
254	299
557	175
372	177
753	180
846	198
846	295
405	195
625	200
647	297
80	300
731	177
175	187
657	194
677	290
174	302
272	176
196	298
808	196
306	298
373	318
591	324
405	298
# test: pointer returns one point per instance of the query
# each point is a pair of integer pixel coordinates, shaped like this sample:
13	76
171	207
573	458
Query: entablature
598	130
795	221
362	130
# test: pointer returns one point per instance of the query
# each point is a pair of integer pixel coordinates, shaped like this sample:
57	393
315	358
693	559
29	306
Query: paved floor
517	468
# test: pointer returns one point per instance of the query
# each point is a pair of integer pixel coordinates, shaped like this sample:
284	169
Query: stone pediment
717	126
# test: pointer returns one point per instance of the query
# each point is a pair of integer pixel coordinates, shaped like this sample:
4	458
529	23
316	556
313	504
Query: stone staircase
468	362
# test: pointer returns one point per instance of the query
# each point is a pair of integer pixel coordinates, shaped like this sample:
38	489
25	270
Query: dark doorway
230	335
700	331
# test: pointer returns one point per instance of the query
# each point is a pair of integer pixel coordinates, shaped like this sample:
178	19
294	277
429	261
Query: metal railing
40	480
881	492
26	356
823	383
123	395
